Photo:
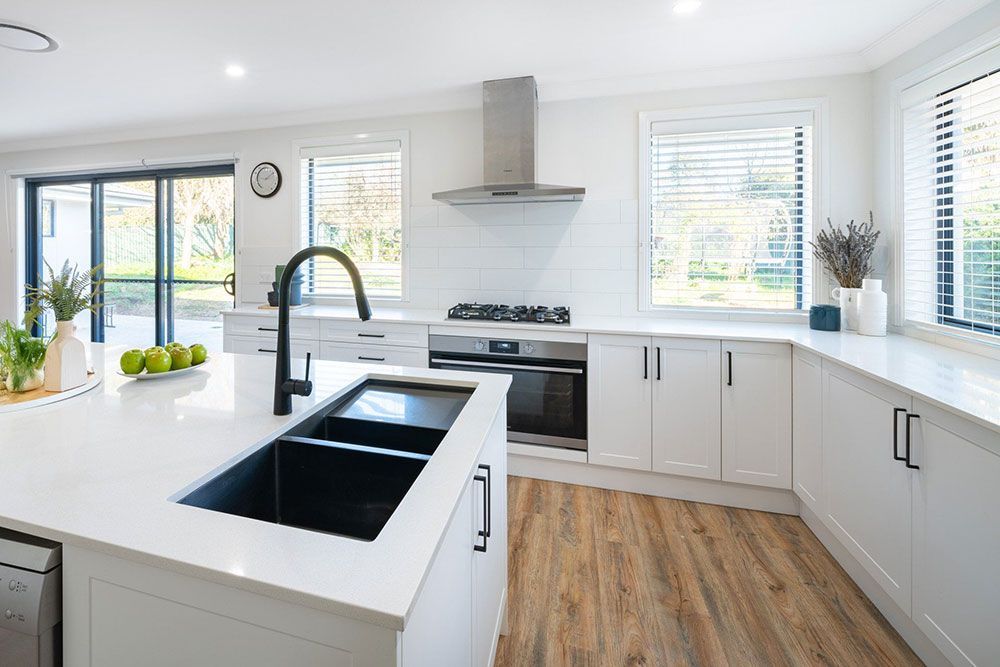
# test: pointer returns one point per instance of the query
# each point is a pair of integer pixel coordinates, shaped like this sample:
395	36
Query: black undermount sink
344	470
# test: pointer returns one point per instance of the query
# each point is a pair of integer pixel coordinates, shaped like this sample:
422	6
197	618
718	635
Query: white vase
65	359
847	299
34	381
873	308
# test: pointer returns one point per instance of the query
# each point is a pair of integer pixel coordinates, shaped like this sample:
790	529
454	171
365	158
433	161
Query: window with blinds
729	204
352	199
951	198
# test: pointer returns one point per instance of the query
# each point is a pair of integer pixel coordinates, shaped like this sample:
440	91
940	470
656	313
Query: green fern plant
67	293
20	354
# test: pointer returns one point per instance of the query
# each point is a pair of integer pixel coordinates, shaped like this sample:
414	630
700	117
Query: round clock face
265	179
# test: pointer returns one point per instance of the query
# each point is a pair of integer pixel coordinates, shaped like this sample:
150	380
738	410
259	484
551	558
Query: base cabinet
867	490
807	429
619	401
956	536
687	429
757	413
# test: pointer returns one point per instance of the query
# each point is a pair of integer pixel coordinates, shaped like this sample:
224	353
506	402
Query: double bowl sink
344	470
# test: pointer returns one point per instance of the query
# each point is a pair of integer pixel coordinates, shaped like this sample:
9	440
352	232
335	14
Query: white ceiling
124	64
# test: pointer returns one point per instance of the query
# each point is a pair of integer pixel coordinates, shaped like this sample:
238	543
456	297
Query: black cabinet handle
364	335
261	349
266	329
729	363
909	420
645	362
489	505
895	433
486	503
371	358
658	375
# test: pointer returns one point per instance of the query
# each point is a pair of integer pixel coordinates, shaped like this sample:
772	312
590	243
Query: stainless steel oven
547	400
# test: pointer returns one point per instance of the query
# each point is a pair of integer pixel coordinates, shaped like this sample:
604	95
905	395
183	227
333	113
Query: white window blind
352	199
730	212
951	199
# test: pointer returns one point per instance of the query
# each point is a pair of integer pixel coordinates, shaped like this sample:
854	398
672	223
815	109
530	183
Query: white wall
581	255
956	37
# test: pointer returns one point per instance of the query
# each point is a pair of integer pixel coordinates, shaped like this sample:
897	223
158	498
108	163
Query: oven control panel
505	347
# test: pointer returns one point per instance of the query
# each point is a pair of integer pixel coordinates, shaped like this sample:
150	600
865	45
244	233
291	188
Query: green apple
198	354
155	348
171	345
158	361
180	357
132	361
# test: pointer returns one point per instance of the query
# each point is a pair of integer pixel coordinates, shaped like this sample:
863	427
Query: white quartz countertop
101	470
961	382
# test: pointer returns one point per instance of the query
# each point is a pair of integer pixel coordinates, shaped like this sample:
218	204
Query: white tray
160	376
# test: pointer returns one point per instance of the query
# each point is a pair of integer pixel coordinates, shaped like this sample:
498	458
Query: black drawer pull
486	503
645	362
909	420
729	362
895	433
489	493
267	329
261	349
658	376
371	358
364	335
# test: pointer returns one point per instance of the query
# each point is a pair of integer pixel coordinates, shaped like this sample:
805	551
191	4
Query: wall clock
265	179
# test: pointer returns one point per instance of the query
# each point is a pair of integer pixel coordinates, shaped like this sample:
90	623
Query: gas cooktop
503	313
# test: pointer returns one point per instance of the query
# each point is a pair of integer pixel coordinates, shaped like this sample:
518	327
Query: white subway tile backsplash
523	235
580	303
482	258
630	211
526	279
604	235
449	297
444	237
572	258
423	258
582	212
629	258
424	216
444	278
481	214
587	280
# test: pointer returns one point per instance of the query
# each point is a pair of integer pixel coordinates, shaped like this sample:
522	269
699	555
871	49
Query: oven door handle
517	367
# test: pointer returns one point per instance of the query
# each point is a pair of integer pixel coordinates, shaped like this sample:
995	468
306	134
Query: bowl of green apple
157	362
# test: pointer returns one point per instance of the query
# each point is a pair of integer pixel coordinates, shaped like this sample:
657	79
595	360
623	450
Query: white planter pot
873	308
847	299
36	380
65	360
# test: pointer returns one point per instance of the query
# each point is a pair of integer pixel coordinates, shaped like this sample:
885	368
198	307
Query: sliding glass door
164	240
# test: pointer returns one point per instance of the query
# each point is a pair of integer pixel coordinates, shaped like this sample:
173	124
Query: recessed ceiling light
686	6
19	38
235	71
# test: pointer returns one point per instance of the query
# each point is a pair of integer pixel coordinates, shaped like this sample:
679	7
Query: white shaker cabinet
757	413
807	429
866	484
687	437
619	401
956	534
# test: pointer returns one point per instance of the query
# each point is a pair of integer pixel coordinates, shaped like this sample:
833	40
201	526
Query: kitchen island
150	581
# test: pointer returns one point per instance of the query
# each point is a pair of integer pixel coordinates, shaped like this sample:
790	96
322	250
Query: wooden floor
608	578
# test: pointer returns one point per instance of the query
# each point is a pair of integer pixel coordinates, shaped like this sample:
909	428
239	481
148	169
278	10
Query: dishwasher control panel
30	601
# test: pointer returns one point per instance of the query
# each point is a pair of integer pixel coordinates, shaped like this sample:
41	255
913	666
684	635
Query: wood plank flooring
603	577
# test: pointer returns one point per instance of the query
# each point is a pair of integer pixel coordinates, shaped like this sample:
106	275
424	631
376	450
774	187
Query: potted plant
67	294
849	258
21	358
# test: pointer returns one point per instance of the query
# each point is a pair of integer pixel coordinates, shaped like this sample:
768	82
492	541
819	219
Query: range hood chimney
510	149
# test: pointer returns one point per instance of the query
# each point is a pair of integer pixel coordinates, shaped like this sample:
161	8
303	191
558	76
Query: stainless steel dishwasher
30	600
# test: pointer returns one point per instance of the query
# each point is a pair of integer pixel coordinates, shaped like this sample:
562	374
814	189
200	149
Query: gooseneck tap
284	385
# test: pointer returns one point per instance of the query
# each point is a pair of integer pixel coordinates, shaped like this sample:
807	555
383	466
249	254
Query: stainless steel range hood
510	149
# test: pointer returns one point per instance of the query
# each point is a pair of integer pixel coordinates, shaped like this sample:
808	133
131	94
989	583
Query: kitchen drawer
375	354
267	325
373	332
266	346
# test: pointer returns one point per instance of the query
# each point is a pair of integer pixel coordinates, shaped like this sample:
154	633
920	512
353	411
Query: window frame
346	140
952	69
709	118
